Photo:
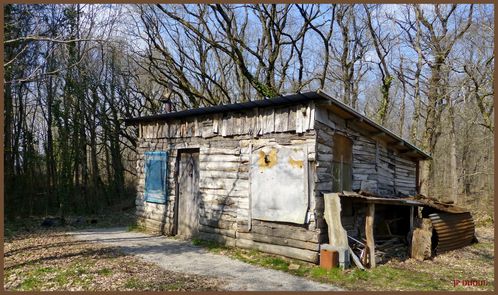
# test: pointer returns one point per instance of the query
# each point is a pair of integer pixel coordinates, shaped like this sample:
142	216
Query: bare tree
382	44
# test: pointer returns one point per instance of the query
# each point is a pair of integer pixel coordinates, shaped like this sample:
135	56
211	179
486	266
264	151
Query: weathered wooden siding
376	168
154	216
256	122
406	176
225	144
323	174
365	164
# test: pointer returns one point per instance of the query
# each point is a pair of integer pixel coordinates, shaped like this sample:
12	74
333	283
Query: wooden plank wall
322	175
225	144
365	164
256	122
155	217
376	168
406	176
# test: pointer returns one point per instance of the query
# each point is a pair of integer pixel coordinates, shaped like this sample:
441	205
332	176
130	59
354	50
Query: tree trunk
453	157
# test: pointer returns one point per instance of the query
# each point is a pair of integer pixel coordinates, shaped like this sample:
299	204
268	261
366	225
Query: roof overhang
322	99
280	101
371	128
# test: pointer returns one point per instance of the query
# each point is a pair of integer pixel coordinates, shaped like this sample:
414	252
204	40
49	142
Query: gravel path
184	257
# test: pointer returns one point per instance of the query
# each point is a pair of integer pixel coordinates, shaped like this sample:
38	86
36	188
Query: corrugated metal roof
290	99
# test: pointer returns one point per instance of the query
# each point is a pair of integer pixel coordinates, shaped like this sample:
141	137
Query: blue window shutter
156	171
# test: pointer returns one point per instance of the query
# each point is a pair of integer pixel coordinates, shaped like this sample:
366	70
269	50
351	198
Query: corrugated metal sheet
452	230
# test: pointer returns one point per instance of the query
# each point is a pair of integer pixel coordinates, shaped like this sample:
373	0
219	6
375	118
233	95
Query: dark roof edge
282	100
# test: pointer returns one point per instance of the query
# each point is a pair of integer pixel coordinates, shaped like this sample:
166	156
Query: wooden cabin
253	174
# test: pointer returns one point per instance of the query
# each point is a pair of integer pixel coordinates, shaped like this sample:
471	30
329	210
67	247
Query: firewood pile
391	248
385	249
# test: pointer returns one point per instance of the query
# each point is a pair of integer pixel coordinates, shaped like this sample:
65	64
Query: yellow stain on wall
267	160
296	163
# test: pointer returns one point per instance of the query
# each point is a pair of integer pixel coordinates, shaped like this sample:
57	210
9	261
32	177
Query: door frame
179	153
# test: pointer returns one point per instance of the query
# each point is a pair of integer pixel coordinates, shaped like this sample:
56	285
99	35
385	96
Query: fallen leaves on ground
49	260
471	263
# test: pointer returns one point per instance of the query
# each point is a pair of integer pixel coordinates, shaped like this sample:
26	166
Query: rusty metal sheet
279	183
452	230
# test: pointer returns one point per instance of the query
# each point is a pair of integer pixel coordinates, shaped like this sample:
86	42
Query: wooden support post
412	210
369	221
417	177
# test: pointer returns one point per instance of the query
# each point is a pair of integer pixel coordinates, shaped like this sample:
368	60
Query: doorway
188	193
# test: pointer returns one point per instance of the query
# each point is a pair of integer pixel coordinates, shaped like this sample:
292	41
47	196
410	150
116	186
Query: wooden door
188	193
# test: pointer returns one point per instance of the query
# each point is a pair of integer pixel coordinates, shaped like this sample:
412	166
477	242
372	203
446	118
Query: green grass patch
62	278
171	286
44	270
383	277
104	272
483	219
133	283
36	277
135	227
30	283
276	263
393	278
483	246
76	274
212	246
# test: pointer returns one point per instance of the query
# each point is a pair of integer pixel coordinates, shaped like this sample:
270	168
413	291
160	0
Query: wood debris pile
385	249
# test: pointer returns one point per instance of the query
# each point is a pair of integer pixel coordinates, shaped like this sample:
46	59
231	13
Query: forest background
74	72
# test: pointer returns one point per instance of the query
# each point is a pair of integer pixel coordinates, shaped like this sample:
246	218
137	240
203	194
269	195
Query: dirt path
181	256
51	260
